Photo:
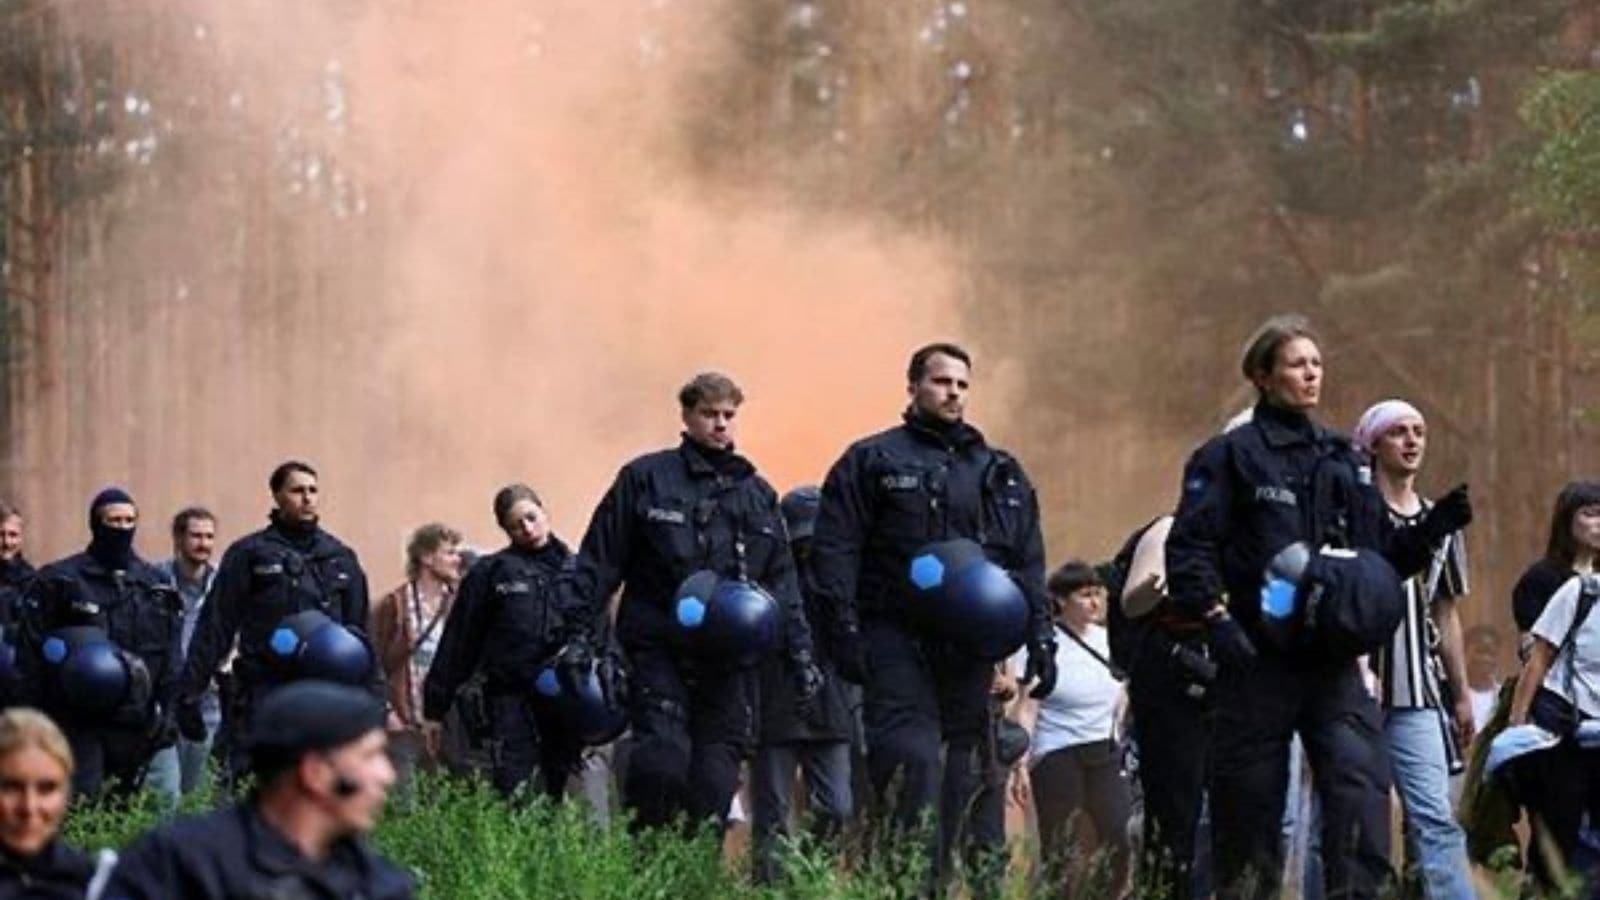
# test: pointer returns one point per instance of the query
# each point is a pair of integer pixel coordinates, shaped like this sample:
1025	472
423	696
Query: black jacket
265	577
781	721
668	515
58	872
1252	491
232	854
503	620
140	612
899	490
15	576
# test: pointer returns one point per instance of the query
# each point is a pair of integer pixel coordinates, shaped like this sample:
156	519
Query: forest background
436	247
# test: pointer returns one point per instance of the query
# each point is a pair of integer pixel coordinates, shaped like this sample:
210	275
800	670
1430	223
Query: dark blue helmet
591	704
727	621
88	670
1335	603
310	645
961	597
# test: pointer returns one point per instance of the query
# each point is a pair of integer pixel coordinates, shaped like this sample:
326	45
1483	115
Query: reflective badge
670	516
513	587
267	569
900	482
1273	494
1364	474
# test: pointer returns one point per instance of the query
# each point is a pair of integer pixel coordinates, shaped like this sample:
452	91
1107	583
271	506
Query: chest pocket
523	598
668	521
1274	501
1007	507
152	614
905	500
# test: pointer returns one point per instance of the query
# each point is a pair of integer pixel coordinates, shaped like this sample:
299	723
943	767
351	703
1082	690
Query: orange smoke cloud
517	274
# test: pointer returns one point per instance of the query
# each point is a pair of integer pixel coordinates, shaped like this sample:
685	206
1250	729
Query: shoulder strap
1113	668
1588	593
104	863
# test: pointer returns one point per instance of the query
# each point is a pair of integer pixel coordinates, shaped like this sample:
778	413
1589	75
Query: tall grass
461	842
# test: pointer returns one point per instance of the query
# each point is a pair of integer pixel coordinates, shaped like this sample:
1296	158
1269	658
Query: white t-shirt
1482	705
1552	626
1081	708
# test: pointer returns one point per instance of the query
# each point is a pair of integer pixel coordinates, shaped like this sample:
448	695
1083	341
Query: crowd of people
1226	707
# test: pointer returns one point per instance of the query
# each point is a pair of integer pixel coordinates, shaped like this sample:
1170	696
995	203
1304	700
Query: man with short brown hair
696	508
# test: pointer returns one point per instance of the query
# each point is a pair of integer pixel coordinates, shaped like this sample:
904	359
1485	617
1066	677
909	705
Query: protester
814	741
35	785
1484	649
317	753
276	587
406	626
181	768
1080	792
1278	483
1572	549
100	651
1427	713
933	478
678	529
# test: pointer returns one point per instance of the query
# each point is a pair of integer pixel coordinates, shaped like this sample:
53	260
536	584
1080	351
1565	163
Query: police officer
100	650
932	478
816	739
1247	494
289	567
670	514
504	621
322	772
15	575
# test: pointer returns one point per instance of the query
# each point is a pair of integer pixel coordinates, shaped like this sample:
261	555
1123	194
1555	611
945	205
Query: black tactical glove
1041	668
1452	513
189	720
807	679
850	652
1229	642
575	658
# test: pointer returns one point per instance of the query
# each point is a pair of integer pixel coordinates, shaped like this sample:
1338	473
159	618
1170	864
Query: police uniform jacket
15	576
503	619
263	578
897	491
668	515
830	717
233	854
140	612
1252	491
57	872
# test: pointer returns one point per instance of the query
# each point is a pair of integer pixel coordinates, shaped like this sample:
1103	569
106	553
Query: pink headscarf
1379	418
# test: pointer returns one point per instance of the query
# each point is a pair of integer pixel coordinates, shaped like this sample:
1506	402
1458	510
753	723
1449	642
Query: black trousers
524	742
921	700
1559	786
1083	802
1173	729
692	727
107	758
1257	715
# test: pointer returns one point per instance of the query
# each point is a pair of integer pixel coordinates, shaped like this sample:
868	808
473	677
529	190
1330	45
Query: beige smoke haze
519	275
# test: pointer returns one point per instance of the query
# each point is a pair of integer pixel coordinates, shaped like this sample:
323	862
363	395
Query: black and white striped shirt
1410	669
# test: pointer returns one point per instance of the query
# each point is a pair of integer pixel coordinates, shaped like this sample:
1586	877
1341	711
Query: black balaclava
110	547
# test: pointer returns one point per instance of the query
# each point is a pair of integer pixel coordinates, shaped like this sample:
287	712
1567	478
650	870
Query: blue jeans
826	766
178	770
1434	841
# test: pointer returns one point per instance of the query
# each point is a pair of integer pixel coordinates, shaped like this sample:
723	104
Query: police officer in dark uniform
933	478
670	514
1170	679
1247	494
291	566
322	772
504	620
100	650
813	738
16	573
